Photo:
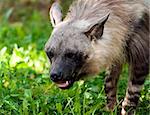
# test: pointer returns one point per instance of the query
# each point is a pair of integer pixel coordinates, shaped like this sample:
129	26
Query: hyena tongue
63	84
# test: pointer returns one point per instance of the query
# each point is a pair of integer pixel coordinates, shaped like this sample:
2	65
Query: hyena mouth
65	84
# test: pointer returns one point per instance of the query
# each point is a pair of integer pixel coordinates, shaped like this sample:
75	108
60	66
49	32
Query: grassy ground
25	88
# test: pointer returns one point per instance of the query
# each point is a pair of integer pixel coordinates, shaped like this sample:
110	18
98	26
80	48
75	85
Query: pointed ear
95	30
55	14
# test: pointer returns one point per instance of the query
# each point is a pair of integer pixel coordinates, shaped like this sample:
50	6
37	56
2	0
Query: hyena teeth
63	84
110	33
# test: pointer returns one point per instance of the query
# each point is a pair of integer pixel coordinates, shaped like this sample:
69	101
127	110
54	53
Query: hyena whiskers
99	34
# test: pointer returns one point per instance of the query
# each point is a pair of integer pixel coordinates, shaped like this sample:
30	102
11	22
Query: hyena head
70	49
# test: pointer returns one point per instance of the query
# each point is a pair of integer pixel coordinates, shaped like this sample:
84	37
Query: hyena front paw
127	109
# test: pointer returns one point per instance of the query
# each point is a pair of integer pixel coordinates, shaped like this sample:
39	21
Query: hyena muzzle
99	34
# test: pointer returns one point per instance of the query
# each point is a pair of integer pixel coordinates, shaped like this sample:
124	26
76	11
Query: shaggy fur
124	38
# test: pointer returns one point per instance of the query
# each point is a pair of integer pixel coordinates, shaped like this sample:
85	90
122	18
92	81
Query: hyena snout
62	75
56	76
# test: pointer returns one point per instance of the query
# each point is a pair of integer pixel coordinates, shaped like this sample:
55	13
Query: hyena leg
111	85
137	77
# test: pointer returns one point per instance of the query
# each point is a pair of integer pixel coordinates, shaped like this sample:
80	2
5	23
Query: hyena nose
55	77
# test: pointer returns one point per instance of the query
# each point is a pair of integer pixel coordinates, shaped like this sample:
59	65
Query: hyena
97	35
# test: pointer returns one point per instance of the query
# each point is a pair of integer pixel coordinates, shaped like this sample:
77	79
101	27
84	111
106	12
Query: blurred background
25	87
25	13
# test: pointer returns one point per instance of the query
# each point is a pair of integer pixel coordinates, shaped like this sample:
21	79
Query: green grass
25	87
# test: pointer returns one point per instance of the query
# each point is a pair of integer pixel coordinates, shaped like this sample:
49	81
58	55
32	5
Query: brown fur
125	38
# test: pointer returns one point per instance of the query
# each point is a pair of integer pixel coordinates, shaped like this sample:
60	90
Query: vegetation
25	87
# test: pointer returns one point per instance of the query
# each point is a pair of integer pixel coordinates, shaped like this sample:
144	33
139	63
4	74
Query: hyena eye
70	55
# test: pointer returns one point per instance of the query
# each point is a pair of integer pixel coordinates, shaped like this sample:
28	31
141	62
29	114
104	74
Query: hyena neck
110	47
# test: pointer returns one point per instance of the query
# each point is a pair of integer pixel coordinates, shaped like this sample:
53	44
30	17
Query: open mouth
64	84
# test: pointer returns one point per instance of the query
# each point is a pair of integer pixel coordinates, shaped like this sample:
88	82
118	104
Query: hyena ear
95	29
55	14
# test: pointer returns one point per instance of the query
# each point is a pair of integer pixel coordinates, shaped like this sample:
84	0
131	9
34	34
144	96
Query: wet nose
55	77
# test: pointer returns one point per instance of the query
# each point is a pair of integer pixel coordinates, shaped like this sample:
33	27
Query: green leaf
59	107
